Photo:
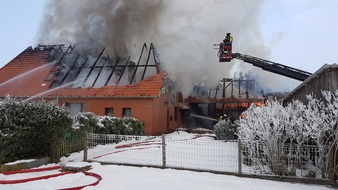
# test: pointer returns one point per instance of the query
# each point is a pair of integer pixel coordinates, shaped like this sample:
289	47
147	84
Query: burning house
230	97
93	81
88	78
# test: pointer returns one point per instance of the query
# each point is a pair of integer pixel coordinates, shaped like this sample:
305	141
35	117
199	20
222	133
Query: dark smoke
184	32
98	24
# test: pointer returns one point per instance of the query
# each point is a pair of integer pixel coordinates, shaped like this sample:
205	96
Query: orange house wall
164	117
151	111
174	124
160	115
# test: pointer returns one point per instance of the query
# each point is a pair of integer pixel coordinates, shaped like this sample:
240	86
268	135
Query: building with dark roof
326	78
95	82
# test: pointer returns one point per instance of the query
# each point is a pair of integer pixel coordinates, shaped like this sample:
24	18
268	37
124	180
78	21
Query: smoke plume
183	31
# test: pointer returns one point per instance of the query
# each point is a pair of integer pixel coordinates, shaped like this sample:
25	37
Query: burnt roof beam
146	65
63	55
71	68
123	70
78	72
100	72
121	66
112	72
138	63
91	70
156	58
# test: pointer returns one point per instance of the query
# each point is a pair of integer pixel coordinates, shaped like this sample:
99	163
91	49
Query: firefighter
228	39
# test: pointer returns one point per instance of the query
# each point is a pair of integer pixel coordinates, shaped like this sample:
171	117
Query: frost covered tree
275	136
262	131
332	136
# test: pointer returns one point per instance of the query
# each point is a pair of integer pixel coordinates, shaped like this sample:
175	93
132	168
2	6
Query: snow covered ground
182	150
124	177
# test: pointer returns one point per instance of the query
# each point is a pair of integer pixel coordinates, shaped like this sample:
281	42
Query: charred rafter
92	68
73	66
122	71
138	63
101	71
145	68
112	72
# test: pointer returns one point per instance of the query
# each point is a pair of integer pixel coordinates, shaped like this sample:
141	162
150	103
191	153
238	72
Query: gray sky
301	34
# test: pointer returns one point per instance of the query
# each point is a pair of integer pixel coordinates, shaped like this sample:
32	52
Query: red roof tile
149	87
24	76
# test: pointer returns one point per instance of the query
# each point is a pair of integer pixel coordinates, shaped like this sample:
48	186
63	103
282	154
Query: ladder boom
273	67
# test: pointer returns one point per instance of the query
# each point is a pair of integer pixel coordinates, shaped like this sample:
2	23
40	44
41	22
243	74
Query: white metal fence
195	154
290	160
122	149
218	156
206	154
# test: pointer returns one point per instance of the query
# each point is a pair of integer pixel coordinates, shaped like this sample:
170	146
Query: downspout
168	116
168	106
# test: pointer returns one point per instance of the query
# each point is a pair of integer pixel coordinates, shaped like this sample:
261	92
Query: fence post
332	173
164	162
85	148
239	157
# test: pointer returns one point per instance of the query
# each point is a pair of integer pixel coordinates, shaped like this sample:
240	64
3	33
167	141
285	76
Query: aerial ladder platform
225	55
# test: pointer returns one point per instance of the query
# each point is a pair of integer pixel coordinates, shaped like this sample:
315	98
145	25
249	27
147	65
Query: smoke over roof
183	31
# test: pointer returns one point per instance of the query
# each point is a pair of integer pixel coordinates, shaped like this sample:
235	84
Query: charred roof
59	70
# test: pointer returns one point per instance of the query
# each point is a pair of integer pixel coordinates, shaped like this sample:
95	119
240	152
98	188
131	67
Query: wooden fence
72	142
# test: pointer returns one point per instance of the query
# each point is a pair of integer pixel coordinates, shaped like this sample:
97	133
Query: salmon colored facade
149	100
154	112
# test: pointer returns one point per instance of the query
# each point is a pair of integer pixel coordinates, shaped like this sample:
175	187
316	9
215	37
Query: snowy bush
275	137
86	121
122	126
262	132
225	129
31	129
108	125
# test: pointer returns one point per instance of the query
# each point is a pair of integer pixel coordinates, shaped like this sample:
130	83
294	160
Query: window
49	77
109	111
75	108
126	112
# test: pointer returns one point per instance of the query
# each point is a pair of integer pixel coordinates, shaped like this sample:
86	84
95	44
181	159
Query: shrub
225	129
108	125
31	129
86	121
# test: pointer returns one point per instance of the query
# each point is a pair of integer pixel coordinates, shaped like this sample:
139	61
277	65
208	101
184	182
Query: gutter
98	97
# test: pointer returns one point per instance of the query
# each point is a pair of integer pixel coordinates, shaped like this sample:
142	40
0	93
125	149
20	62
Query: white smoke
183	31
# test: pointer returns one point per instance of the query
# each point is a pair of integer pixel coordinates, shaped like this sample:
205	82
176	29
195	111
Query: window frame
107	112
124	112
